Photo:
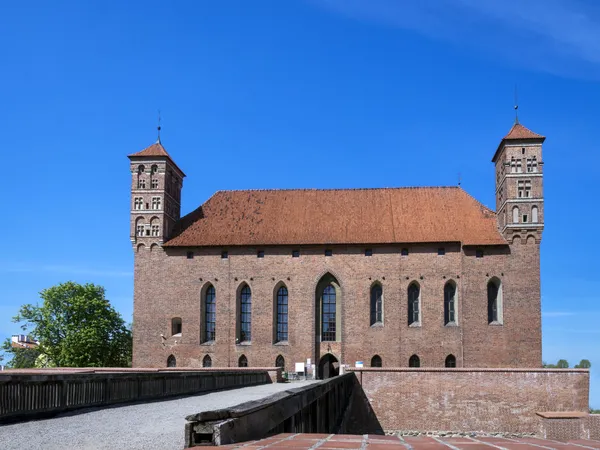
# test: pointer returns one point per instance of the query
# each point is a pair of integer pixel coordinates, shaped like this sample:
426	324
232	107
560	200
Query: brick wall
593	425
482	400
168	284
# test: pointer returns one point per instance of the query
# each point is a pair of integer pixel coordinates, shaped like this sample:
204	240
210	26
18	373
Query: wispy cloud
62	269
538	34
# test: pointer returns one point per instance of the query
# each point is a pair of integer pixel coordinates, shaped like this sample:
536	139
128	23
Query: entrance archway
329	367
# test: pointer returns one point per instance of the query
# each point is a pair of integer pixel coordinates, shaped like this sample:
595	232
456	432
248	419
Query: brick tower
519	176
156	183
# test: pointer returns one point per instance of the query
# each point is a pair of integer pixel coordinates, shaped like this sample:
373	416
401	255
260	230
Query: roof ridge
333	189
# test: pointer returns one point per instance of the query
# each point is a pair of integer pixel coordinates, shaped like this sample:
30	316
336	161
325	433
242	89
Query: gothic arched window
376	304
413	304
210	314
414	361
376	361
450	361
171	361
280	362
243	361
328	316
282	315
449	303
207	361
245	314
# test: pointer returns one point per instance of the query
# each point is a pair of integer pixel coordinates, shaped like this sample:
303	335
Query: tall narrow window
140	229
171	361
176	326
515	214
414	361
245	314
376	304
155	230
534	214
282	314
141	183
513	165
413	304
280	362
138	203
534	165
528	189
210	314
449	303
243	361
493	294
450	361
328	316
519	166
520	189
207	361
155	202
376	361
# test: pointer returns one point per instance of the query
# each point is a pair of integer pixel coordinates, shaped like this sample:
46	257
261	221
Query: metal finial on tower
459	178
158	128
516	105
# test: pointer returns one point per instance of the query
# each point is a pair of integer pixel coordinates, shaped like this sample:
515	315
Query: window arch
281	314
515	212
450	303
376	304
494	301
141	168
207	361
534	214
376	361
414	361
245	314
243	361
171	361
328	316
280	362
209	314
176	326
414	300
450	361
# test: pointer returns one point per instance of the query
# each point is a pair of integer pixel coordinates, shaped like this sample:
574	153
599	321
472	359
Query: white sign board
308	361
358	364
300	367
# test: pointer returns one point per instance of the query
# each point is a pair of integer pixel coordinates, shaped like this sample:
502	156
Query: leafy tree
583	364
22	358
562	364
77	327
548	366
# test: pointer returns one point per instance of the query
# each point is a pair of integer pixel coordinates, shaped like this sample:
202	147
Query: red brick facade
171	281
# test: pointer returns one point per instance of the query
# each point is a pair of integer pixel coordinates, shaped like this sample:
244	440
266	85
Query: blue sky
269	94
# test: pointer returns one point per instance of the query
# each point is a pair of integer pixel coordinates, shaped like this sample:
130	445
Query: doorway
329	367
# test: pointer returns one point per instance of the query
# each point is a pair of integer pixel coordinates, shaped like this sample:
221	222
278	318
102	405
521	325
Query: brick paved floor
374	442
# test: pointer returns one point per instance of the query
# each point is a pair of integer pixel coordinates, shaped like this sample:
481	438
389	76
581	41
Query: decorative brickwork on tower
383	276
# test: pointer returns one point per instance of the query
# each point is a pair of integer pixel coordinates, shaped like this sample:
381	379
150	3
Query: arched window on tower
515	212
245	314
494	300
210	314
450	303
171	361
376	361
414	294
376	304
207	361
414	361
282	315
534	214
450	361
280	362
243	361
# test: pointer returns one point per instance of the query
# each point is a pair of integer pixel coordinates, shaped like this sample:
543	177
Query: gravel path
157	425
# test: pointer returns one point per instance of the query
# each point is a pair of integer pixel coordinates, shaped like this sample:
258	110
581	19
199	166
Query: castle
394	277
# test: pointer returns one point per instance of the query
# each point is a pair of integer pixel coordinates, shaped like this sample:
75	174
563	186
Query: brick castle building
397	277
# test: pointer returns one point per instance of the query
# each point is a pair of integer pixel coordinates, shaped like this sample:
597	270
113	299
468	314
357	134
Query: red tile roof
155	149
339	216
518	133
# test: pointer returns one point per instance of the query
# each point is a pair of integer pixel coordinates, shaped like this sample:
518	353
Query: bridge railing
39	393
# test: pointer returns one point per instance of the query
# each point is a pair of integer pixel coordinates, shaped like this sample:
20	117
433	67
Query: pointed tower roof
519	133
155	150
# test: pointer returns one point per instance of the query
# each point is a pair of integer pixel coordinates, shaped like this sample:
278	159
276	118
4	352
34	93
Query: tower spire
158	128
516	106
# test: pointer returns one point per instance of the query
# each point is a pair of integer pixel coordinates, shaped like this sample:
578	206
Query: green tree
583	364
77	327
21	358
562	364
